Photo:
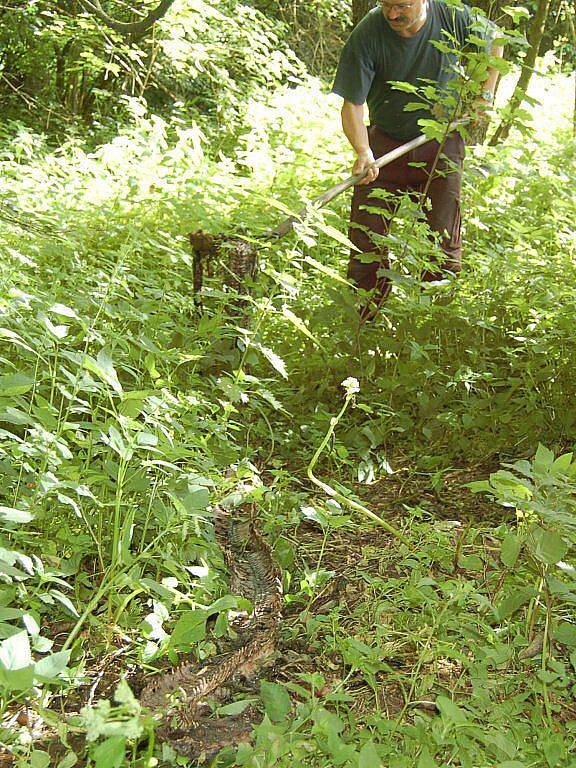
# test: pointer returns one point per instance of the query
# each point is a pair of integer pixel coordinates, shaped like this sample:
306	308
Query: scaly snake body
255	576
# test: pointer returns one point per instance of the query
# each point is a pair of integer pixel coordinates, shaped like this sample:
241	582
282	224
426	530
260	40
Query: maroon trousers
438	180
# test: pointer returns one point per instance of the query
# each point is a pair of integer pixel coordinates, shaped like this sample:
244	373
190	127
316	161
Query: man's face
405	17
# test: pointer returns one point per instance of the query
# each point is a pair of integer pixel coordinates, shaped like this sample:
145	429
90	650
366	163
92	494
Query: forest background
130	405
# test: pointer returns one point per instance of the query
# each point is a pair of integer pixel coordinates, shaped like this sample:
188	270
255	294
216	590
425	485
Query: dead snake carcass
255	576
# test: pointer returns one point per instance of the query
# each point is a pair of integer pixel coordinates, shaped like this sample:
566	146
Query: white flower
351	385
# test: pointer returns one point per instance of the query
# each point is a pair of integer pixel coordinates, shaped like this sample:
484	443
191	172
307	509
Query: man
413	42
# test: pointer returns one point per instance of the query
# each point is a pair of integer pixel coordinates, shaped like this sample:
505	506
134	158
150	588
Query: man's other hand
365	162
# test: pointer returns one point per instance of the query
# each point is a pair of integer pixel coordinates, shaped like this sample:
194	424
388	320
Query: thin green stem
117	512
336	494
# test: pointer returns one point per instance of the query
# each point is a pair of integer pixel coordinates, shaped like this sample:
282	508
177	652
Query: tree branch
132	29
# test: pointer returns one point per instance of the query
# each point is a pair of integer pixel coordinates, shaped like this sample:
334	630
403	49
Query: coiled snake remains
255	576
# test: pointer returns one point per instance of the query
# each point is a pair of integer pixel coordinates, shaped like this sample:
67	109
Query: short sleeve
484	28
474	24
355	71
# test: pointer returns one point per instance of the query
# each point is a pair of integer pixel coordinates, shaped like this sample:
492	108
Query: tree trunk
572	30
360	8
61	54
534	38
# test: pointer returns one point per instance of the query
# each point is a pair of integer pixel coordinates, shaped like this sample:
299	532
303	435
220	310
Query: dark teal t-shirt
375	55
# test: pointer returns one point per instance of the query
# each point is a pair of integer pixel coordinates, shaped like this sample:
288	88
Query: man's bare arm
493	74
357	134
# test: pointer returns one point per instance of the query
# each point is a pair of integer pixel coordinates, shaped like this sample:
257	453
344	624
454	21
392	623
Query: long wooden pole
320	201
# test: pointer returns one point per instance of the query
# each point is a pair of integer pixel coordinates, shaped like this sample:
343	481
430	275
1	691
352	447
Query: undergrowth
126	412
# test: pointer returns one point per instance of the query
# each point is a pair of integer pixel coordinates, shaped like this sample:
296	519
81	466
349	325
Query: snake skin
254	575
237	257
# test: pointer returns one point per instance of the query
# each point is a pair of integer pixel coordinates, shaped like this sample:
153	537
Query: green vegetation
127	411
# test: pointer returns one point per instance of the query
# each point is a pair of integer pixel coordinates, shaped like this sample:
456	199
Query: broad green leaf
50	667
224	603
7	614
523	467
480	486
65	601
15	651
111	753
58	331
146	439
221	625
269	397
68	761
400	85
104	369
552	745
280	206
8	570
6	333
340	752
502	743
63	310
284	553
116	441
196	499
471	563
433	129
515	600
70	502
158	588
133	403
543	459
517	13
39	759
562	464
509	487
510	550
566	634
15	384
511	764
549	546
324	518
450	711
190	628
12	515
17	679
124	695
426	760
546	676
15	416
16	663
368	757
413	106
560	588
42	644
327	721
276	701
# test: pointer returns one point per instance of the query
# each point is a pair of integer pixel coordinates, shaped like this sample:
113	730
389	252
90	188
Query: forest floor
380	644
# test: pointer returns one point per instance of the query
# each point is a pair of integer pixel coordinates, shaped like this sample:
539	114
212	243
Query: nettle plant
543	494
